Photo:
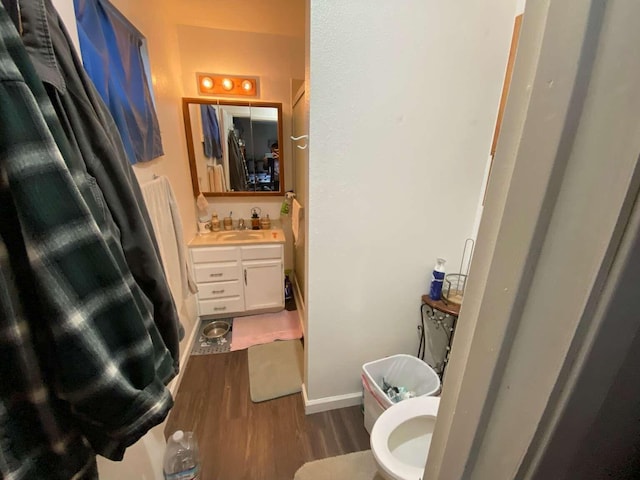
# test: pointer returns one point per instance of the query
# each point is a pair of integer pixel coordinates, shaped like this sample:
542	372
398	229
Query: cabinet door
263	284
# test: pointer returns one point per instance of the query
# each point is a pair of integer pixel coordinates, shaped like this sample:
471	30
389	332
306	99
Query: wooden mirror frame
186	101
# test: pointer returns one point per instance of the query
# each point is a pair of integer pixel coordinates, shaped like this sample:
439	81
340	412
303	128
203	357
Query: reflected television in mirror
234	147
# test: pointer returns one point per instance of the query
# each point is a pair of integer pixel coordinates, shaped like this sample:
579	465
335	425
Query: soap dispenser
255	219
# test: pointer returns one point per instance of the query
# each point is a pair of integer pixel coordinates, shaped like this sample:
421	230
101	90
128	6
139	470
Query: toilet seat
391	419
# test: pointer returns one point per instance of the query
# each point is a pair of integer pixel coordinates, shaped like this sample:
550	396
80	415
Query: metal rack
443	316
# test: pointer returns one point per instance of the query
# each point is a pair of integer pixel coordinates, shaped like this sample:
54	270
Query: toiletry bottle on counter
215	223
255	219
265	223
204	227
227	222
437	279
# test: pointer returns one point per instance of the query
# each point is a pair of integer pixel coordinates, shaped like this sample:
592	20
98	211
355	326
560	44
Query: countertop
217	239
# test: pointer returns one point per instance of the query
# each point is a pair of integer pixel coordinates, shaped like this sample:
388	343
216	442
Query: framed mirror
234	147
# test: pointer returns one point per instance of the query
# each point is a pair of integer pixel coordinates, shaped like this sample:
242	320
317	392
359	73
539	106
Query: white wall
381	208
276	17
520	4
66	10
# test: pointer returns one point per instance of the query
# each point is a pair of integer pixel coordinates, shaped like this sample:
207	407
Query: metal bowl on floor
216	329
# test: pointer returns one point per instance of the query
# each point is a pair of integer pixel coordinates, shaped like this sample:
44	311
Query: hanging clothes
113	60
210	132
93	135
83	365
237	166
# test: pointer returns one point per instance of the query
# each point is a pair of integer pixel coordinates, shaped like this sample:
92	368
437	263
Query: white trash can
401	371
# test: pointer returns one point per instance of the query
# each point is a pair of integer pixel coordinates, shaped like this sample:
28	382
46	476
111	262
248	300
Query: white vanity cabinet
236	279
263	273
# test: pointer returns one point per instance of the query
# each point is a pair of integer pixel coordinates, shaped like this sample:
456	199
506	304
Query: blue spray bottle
437	279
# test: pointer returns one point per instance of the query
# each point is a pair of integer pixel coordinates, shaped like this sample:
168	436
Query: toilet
401	437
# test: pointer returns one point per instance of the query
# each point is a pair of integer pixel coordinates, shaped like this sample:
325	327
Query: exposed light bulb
206	82
247	86
227	84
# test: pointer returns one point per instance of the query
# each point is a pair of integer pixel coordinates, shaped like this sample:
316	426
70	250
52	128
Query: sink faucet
241	225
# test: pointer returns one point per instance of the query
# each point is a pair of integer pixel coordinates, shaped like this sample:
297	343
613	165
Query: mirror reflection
234	147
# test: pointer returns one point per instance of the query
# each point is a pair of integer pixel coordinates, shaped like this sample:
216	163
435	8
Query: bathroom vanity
239	272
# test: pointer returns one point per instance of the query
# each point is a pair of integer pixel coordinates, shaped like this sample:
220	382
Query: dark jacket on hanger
237	177
92	133
81	361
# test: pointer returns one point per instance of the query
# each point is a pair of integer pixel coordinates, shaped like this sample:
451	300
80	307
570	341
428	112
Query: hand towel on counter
167	226
296	216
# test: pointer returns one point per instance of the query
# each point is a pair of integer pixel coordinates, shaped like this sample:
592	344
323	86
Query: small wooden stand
438	311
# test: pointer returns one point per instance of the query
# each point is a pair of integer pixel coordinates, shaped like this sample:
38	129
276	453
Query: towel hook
301	147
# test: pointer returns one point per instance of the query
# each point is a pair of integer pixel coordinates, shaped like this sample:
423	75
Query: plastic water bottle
181	460
437	279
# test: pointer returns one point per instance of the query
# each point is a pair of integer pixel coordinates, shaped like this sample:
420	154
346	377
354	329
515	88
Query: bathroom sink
241	235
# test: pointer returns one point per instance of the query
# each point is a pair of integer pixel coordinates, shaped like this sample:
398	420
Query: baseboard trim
329	403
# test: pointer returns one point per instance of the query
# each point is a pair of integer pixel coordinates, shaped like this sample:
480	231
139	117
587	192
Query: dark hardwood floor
242	440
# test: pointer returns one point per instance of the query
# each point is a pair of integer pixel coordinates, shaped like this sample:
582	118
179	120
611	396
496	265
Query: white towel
224	179
167	227
218	178
296	216
211	175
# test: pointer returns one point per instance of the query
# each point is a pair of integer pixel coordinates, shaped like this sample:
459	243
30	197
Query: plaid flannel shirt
82	365
93	135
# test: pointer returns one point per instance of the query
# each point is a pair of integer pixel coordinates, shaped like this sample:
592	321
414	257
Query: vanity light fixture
227	84
207	82
214	84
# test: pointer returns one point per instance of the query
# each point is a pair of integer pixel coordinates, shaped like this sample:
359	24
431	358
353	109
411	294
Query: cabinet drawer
214	272
219	290
214	254
261	252
220	306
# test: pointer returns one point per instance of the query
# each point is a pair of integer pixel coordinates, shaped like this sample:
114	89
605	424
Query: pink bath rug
265	328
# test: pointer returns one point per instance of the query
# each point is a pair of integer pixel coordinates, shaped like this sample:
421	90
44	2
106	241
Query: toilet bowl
401	437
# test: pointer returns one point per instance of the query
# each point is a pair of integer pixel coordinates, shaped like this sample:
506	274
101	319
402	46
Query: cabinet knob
217	291
219	308
215	274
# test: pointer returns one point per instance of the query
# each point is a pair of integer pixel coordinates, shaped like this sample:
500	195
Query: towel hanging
296	217
167	226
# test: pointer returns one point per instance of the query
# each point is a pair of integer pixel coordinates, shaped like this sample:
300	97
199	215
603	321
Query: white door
263	287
